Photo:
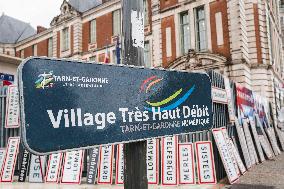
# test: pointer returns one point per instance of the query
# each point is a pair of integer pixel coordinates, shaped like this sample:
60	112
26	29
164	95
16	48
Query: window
34	47
50	47
184	32
65	39
93	31
147	54
146	13
22	55
200	29
116	22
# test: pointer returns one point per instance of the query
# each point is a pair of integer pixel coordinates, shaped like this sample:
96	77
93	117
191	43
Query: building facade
238	38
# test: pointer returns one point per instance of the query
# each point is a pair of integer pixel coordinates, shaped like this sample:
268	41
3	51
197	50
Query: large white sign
227	139
169	160
205	162
186	164
37	169
219	95
152	161
238	158
273	140
12	109
53	168
243	144
266	147
256	139
105	166
227	160
2	157
231	108
119	165
72	167
251	149
10	159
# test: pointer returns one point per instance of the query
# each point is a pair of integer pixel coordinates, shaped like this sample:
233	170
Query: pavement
268	175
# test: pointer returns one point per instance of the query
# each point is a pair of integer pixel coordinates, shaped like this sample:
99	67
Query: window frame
197	31
65	39
181	29
93	31
50	47
116	16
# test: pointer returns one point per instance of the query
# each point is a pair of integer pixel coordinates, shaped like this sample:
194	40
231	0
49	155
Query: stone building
238	38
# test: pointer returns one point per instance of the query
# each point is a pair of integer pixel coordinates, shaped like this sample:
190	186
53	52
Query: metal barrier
220	119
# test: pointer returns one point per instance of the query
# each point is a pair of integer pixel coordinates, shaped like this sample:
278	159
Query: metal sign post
135	167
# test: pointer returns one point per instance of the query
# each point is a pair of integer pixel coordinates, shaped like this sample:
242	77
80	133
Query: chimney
40	29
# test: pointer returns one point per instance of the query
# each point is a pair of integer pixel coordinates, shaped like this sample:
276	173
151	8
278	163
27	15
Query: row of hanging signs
177	164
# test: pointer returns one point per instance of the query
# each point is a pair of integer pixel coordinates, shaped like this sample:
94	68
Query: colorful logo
169	103
45	80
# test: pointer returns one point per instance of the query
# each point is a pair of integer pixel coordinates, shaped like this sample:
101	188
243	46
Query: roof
84	5
13	30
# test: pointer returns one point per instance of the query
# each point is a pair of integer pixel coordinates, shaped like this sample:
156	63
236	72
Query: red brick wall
85	36
215	7
58	45
168	22
42	48
150	13
167	3
257	33
28	52
104	30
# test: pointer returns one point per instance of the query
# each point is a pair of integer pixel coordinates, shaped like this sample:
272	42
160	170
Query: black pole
135	171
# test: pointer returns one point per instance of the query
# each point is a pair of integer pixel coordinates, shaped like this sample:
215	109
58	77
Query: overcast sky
35	12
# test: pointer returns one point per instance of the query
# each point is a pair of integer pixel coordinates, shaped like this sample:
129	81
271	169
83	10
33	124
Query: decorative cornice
67	13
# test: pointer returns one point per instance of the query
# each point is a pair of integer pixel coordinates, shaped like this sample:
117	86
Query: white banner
243	144
205	163
119	165
2	157
152	158
219	95
105	166
72	167
227	160
169	160
10	159
231	108
37	169
53	168
12	109
186	164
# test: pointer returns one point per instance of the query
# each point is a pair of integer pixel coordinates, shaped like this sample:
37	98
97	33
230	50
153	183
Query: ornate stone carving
67	12
197	60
